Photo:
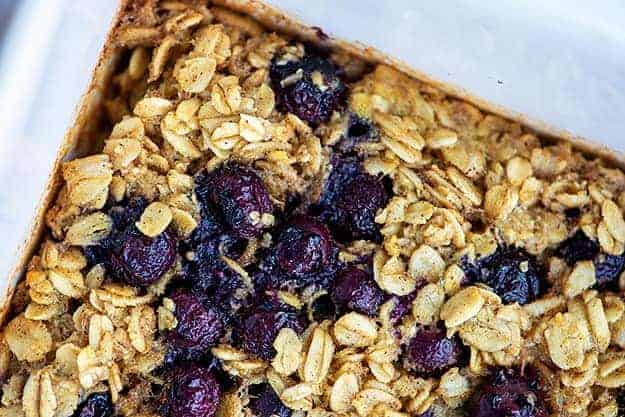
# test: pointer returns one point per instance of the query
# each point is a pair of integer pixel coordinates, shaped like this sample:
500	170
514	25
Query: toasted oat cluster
271	229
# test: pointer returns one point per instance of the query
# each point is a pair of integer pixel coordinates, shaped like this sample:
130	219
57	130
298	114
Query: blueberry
358	130
577	248
206	269
235	194
98	404
351	200
310	88
199	327
264	402
323	308
430	352
509	393
355	289
511	272
608	269
304	254
303	247
580	247
403	305
260	327
143	260
231	245
130	256
193	392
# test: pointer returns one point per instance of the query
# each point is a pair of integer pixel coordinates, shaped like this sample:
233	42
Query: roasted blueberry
403	305
98	404
193	392
237	196
199	327
608	269
309	88
264	402
356	208
355	289
580	247
206	269
143	260
577	248
304	254
303	247
358	130
323	308
430	352
130	256
261	326
350	201
509	393
231	246
511	272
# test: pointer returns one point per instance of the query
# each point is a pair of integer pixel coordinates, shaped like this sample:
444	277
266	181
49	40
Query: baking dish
87	124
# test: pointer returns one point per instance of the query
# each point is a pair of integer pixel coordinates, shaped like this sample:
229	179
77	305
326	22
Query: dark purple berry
233	193
199	327
304	254
509	393
260	325
206	269
430	352
608	269
580	247
355	289
143	260
511	272
310	88
358	130
231	246
127	213
98	404
323	308
428	413
193	392
351	200
577	248
305	246
356	208
264	402
403	305
260	329
129	255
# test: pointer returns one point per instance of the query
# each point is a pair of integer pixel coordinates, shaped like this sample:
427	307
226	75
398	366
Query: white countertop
559	61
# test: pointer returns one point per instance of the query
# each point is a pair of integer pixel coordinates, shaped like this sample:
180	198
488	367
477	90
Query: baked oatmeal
271	228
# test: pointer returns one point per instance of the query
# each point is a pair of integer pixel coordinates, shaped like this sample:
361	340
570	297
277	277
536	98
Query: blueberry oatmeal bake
271	228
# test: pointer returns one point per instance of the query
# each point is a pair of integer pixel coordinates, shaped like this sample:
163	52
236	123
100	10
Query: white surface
560	61
45	66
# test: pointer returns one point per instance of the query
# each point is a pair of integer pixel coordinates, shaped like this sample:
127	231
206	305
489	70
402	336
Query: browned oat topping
494	249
